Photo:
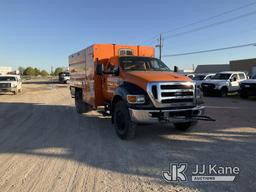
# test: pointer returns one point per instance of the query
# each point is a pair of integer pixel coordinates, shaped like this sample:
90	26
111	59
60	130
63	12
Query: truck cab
135	88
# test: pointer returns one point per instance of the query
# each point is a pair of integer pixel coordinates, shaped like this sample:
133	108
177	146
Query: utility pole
160	46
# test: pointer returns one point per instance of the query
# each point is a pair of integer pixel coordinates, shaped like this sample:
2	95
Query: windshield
199	77
221	76
64	74
142	64
7	79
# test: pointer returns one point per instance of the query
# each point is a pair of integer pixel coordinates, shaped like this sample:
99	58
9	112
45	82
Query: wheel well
113	103
224	87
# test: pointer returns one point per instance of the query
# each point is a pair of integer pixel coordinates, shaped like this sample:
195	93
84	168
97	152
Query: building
5	70
246	65
212	68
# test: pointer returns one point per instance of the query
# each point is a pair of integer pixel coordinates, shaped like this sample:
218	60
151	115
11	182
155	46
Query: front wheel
223	92
205	94
183	126
244	94
125	128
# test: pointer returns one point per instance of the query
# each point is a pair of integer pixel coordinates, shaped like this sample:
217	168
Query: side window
208	77
241	76
111	66
234	77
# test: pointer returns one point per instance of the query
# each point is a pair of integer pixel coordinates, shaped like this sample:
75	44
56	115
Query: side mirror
176	69
99	69
116	71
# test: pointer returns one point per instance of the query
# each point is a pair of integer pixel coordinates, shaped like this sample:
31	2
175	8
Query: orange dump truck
133	86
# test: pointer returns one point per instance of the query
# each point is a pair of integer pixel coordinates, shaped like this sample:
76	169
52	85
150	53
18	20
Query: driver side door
110	79
234	83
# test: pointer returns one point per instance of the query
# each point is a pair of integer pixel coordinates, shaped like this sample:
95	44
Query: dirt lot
46	146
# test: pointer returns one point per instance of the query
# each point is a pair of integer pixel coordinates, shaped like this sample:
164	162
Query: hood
249	81
141	78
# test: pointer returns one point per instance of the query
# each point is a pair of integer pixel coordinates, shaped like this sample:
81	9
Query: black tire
244	94
183	126
81	107
223	92
205	94
15	92
125	128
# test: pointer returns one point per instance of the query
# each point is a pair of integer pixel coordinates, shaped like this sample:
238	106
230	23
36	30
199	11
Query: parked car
10	83
199	78
223	83
248	87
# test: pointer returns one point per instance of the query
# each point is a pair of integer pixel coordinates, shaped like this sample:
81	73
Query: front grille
170	94
5	85
249	85
176	86
207	85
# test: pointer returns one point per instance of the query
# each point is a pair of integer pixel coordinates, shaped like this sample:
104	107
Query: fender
128	88
125	89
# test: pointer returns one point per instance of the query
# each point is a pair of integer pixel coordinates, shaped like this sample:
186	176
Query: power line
153	39
211	18
210	50
212	25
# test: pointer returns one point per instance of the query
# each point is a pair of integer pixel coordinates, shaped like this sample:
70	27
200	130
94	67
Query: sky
43	33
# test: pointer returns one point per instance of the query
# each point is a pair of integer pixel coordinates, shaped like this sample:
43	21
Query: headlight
13	85
136	99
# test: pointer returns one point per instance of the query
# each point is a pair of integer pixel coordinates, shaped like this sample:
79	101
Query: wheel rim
223	93
120	121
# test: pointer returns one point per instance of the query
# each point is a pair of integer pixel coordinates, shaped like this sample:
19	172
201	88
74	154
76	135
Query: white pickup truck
223	83
10	83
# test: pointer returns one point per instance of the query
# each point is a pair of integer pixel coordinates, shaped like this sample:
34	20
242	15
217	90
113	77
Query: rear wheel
183	126
125	128
81	107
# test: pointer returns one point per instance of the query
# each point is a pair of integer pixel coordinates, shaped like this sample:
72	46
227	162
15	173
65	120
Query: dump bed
82	67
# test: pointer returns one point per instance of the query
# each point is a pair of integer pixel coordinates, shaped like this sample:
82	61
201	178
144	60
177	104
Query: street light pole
160	46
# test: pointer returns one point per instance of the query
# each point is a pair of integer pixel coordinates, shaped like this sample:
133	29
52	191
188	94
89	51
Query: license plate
247	86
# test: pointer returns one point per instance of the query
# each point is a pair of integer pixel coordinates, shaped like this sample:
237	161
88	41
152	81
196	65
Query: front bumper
168	115
9	89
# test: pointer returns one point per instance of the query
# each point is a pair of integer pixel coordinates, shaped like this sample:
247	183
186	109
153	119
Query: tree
21	70
29	71
37	71
58	70
44	73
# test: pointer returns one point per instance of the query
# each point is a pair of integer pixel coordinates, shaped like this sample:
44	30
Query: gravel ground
46	146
